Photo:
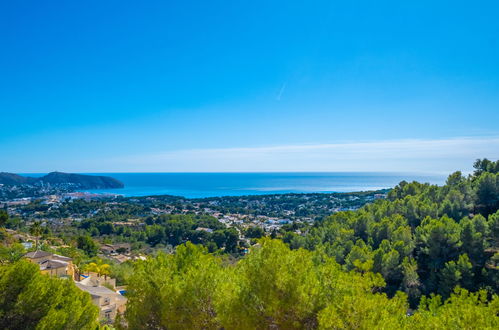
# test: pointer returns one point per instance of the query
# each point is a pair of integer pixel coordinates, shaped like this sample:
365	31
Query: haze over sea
195	185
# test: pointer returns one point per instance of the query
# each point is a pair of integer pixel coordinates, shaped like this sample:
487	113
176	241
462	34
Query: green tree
276	287
438	241
487	193
88	245
11	253
473	237
359	258
98	267
485	165
454	274
30	300
411	284
273	287
218	237
4	217
174	291
493	225
366	311
254	232
231	240
463	310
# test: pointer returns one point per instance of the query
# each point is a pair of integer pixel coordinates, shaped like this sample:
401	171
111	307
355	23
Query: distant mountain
14	179
80	181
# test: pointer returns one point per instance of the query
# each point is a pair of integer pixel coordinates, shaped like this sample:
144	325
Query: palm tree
98	267
92	267
36	230
105	270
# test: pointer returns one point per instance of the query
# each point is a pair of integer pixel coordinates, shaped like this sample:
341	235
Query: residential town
270	212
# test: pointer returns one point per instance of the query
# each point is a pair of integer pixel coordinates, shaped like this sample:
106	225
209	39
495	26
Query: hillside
59	178
14	179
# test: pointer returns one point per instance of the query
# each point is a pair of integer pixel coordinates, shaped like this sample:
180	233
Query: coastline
204	185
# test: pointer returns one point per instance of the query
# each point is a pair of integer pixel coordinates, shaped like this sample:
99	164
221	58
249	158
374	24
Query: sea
199	185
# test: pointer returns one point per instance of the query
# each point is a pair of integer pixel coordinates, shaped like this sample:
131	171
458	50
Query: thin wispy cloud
416	155
281	91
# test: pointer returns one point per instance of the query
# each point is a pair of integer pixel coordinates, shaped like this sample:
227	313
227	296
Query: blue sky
112	86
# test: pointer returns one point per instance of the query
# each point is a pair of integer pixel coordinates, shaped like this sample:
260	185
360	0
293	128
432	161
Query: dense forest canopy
278	288
424	239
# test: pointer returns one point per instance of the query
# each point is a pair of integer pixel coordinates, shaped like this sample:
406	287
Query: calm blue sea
195	185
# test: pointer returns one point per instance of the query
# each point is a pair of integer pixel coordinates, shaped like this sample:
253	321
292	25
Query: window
107	301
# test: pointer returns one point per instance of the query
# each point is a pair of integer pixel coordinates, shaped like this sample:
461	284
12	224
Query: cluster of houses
119	252
103	291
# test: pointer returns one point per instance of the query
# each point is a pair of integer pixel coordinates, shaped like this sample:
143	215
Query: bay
198	185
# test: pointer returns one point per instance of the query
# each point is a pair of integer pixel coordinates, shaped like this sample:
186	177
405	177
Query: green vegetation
3	218
276	287
11	253
86	244
164	230
99	267
424	239
30	300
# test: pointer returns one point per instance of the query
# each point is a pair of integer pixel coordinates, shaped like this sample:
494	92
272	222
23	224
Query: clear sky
113	86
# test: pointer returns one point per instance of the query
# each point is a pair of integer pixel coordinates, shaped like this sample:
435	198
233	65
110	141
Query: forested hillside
78	181
424	239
